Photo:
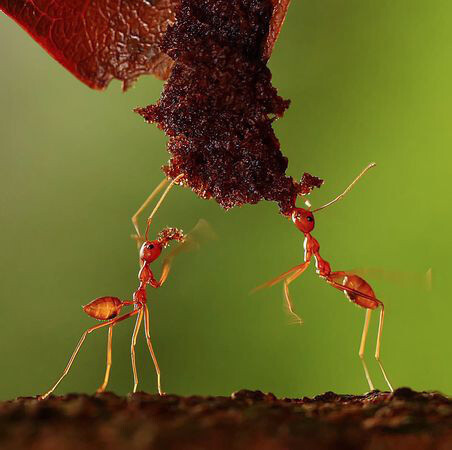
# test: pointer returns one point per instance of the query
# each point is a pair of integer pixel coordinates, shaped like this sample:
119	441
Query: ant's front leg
288	276
166	267
146	275
287	295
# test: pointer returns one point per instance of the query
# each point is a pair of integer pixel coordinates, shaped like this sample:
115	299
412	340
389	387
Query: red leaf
279	15
98	40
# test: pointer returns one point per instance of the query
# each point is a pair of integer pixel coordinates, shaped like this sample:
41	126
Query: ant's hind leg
363	346
80	342
151	350
107	371
132	349
377	350
371	304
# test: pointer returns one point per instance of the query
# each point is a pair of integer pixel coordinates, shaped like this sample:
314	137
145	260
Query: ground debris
247	420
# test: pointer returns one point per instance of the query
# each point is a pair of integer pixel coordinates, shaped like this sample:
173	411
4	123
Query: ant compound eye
310	219
151	246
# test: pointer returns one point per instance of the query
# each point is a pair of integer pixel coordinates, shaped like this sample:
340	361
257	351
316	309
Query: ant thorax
323	267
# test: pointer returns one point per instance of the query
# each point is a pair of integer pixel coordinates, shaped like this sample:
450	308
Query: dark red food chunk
308	183
170	234
219	104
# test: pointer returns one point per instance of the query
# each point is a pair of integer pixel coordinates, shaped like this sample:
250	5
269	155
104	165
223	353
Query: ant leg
201	232
77	348
166	267
132	349
138	237
377	350
279	278
287	295
363	346
380	326
151	350
107	371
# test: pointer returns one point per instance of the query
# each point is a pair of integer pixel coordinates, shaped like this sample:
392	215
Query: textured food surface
98	40
404	420
218	105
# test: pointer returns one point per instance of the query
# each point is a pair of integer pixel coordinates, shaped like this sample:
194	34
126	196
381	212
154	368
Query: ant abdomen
104	308
360	285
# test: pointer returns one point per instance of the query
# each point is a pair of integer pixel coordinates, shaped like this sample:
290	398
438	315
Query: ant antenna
159	203
146	204
339	197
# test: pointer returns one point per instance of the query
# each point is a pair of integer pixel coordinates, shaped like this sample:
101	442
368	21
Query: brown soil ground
247	420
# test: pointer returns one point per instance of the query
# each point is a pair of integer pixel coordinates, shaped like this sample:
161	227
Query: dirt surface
246	420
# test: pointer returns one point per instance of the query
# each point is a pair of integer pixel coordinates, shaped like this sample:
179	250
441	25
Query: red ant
356	289
108	308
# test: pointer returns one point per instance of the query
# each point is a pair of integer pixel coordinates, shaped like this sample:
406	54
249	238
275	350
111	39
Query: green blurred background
369	81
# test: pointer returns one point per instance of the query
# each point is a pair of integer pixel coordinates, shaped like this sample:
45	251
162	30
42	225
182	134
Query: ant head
303	219
150	251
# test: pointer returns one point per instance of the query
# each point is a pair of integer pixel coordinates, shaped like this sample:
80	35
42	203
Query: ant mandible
107	309
356	289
